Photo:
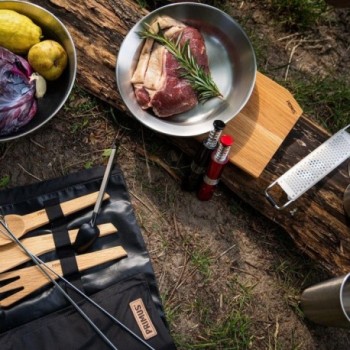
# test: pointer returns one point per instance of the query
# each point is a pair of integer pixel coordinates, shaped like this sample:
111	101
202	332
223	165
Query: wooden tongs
21	224
25	281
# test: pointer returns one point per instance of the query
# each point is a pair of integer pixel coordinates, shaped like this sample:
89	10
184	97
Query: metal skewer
103	187
88	232
42	266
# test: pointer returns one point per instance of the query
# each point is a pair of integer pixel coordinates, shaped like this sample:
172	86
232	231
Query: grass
83	106
202	260
80	101
298	14
292	277
4	181
231	331
276	344
327	100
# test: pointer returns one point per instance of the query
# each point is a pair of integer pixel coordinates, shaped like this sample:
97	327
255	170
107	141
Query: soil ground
213	260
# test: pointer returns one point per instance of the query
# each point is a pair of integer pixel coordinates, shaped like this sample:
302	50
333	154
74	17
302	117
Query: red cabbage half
18	104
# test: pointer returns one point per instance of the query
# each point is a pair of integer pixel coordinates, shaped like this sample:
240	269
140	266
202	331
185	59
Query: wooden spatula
25	281
21	224
11	255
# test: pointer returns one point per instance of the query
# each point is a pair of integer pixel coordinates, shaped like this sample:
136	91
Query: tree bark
339	3
316	221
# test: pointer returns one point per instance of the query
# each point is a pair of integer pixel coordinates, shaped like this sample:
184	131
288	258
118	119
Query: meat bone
11	255
21	224
25	281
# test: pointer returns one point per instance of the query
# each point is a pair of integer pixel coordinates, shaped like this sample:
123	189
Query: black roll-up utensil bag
126	288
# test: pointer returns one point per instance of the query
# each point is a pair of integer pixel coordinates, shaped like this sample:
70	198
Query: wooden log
338	3
316	221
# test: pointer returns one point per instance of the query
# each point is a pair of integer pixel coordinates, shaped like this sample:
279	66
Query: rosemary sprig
200	80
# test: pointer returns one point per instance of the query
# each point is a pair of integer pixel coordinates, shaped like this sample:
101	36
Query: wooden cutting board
262	125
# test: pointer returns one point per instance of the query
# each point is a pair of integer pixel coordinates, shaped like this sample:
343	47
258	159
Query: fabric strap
53	209
64	248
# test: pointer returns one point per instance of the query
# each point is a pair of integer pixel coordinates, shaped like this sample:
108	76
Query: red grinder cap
226	140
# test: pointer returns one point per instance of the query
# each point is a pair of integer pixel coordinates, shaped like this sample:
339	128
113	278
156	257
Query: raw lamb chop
156	80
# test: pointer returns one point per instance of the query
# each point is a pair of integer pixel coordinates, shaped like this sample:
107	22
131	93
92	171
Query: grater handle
336	147
272	200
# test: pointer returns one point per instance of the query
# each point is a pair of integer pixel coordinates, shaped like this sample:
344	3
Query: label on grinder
209	181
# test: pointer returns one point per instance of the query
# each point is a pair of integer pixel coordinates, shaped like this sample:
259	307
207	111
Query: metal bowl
232	64
58	90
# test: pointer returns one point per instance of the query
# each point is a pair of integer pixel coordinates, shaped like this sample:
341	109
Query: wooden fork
25	281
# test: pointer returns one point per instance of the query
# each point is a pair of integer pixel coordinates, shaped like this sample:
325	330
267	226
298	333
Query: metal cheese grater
311	169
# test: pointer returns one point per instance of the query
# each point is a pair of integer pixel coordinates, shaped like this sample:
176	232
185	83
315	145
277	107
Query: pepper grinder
193	178
216	166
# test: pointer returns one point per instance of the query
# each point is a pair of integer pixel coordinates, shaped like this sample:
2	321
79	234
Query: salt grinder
215	168
193	178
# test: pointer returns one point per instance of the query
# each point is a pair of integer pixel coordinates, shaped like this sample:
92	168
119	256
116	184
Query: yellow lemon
18	33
